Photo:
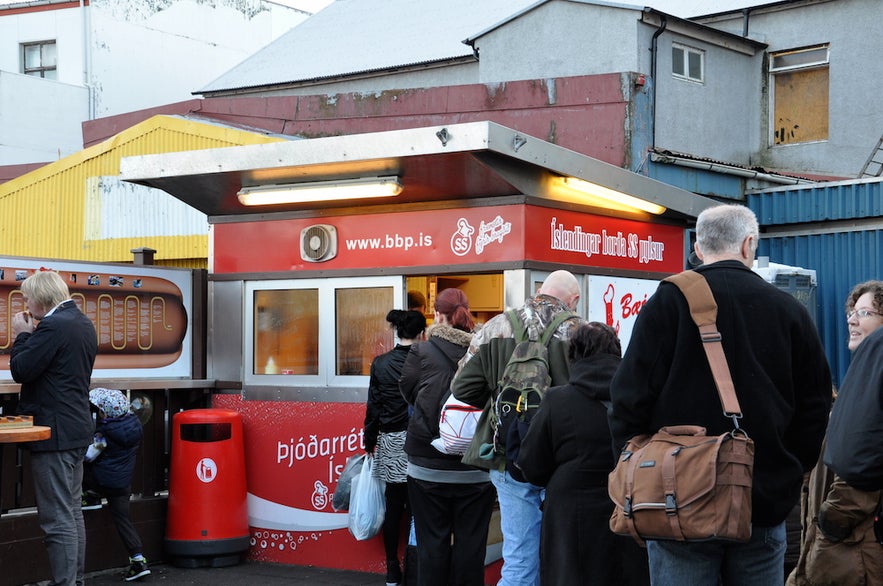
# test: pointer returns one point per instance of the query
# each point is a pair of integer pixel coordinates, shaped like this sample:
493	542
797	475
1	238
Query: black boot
410	578
393	573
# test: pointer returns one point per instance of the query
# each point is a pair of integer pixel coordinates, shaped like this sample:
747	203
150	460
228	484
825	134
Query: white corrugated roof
353	36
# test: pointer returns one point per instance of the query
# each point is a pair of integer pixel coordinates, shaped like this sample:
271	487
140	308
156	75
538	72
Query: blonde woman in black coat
451	502
568	450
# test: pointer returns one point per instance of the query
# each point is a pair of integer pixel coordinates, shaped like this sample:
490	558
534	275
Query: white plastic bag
456	425
367	503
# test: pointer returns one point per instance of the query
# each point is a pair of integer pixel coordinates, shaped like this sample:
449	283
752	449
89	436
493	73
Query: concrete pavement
243	574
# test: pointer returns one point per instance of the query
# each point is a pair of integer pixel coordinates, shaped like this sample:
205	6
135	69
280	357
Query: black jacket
855	432
54	366
115	466
386	410
425	382
569	433
778	367
567	450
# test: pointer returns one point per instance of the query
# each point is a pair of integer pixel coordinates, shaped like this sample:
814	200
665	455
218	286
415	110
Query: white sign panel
141	314
617	301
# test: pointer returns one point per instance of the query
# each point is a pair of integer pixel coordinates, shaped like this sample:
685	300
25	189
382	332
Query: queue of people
553	502
552	494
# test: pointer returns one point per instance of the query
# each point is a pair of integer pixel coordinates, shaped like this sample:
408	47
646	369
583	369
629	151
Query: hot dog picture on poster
140	315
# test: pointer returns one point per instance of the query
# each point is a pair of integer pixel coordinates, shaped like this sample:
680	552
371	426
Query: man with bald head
476	383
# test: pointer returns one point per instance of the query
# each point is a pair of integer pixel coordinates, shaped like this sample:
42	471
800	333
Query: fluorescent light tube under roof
611	195
317	191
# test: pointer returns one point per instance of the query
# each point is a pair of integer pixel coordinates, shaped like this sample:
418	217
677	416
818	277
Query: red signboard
598	241
446	237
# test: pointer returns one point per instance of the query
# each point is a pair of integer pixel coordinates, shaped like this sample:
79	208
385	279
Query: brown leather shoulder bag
680	484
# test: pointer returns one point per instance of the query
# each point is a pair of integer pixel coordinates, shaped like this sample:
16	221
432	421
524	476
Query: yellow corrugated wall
44	212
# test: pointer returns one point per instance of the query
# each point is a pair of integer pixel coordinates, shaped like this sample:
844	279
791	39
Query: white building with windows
63	62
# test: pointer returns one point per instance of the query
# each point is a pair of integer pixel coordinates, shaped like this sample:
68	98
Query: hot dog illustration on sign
617	301
140	321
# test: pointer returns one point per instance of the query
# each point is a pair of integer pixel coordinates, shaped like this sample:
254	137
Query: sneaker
91	501
137	569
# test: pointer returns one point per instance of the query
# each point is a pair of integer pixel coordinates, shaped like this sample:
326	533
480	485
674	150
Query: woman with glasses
842	496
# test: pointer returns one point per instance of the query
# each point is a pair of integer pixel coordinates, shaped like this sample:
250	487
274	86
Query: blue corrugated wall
849	252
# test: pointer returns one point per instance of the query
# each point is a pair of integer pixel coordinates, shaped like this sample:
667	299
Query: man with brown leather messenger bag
782	392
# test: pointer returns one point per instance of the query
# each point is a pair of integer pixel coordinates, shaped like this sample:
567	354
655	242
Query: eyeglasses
861	313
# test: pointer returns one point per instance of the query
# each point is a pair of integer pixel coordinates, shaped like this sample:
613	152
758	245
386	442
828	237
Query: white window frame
687	51
326	376
807	64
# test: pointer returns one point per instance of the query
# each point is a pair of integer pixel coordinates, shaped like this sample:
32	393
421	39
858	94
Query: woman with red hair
451	502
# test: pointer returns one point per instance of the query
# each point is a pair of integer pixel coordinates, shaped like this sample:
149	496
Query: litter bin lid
206	416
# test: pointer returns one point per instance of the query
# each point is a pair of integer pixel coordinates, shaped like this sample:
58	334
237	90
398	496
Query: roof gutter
654	48
728	170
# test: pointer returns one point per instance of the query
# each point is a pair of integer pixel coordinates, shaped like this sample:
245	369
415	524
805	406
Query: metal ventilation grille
800	281
318	243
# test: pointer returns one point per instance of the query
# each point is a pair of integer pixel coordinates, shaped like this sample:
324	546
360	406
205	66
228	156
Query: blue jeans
520	521
760	562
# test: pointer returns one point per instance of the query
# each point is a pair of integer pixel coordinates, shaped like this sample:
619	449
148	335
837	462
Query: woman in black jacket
451	502
386	422
568	450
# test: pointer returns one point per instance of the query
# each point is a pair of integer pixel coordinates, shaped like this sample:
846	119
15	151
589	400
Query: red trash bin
207	520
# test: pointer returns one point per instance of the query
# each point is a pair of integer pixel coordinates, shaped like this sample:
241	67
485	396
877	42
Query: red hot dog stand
298	291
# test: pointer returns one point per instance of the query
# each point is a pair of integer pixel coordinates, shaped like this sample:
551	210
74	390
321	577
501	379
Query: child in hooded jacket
110	466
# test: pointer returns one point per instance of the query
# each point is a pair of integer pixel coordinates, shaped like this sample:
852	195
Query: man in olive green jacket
476	383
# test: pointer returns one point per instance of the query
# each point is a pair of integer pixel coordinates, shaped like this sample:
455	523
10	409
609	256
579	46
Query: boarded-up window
800	95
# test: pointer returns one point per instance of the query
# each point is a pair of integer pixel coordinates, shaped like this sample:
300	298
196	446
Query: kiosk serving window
286	333
317	331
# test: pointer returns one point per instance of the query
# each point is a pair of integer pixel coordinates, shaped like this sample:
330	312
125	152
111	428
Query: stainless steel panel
225	321
516	287
306	394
